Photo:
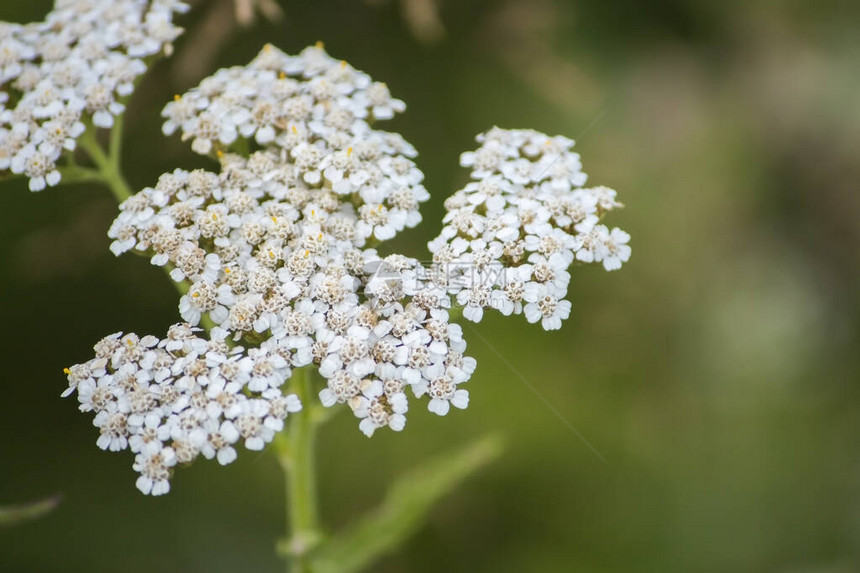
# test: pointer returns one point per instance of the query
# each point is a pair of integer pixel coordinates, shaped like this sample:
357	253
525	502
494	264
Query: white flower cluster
170	401
511	235
369	360
311	113
299	103
273	252
71	69
267	258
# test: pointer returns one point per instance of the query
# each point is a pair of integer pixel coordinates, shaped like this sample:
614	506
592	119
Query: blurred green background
718	373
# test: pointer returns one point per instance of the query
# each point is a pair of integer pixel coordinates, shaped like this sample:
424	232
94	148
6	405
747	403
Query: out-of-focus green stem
296	455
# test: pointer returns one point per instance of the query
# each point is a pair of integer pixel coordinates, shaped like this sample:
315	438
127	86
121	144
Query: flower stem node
299	546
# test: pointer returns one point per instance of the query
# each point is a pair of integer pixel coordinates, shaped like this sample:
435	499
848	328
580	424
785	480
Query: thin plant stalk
296	456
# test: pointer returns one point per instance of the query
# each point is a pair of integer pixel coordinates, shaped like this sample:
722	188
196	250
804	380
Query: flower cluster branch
71	72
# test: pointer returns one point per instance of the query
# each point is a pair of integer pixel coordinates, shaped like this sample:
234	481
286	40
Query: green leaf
404	510
15	514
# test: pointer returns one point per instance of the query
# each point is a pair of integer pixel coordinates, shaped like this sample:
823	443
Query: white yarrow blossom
271	252
197	408
528	201
73	67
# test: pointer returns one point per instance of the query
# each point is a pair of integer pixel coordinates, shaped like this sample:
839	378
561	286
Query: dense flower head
172	400
268	258
274	251
72	69
310	105
513	232
274	254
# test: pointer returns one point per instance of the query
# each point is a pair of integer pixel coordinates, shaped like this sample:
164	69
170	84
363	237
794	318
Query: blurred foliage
20	513
717	373
408	502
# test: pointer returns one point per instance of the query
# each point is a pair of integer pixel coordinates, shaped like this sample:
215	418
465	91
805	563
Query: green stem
296	456
115	144
76	174
109	171
108	165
